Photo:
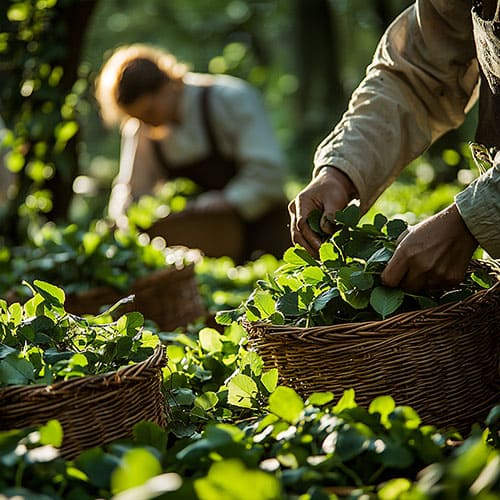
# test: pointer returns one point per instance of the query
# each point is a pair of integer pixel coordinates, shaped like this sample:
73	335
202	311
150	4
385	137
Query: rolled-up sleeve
479	206
422	81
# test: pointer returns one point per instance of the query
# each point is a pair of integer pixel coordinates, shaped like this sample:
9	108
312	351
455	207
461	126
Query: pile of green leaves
344	284
173	196
78	259
41	343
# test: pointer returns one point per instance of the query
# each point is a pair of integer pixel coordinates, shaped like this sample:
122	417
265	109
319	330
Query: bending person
211	129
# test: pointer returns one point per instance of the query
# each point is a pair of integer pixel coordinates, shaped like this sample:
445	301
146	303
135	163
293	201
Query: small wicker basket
92	410
170	297
443	361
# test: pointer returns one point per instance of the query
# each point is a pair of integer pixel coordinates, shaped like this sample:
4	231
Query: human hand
211	201
432	255
331	190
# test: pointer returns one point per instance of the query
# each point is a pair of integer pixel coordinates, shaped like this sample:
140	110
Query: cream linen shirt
423	79
242	131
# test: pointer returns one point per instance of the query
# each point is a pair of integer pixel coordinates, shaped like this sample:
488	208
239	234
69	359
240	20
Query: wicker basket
170	297
443	361
92	410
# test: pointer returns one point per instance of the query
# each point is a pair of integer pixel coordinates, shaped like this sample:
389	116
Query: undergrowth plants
41	343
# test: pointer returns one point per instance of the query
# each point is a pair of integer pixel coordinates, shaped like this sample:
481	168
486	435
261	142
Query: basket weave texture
92	410
443	361
170	297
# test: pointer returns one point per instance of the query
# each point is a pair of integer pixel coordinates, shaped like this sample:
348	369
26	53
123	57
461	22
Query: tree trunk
75	19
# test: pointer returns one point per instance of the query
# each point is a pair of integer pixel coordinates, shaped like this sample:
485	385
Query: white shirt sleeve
422	81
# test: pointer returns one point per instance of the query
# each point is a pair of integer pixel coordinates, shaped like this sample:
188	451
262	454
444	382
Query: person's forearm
412	94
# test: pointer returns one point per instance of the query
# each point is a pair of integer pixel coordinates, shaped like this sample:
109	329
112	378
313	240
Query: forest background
305	56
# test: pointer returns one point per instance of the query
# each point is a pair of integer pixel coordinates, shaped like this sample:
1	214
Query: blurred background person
213	130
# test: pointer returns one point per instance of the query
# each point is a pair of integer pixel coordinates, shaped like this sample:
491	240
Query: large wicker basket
170	297
443	361
92	410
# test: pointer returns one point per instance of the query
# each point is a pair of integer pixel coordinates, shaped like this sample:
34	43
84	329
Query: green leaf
242	391
175	353
346	402
90	242
312	275
288	304
231	480
323	299
97	465
253	361
227	317
357	299
386	300
394	489
493	416
136	467
150	434
210	340
15	370
327	252
384	405
264	302
206	401
51	293
395	227
379	221
298	256
287	404
51	434
314	221
269	380
379	258
320	398
181	397
349	216
362	280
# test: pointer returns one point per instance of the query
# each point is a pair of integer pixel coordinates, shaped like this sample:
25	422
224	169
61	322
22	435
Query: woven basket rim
155	360
359	327
155	275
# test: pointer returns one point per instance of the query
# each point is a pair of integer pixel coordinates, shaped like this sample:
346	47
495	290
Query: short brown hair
131	72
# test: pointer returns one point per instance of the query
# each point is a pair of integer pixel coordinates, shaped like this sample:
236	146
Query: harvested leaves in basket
41	343
344	284
79	260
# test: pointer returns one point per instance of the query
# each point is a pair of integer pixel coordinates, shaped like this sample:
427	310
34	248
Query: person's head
139	81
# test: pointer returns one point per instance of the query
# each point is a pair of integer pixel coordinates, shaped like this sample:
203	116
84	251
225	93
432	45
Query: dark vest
486	21
210	173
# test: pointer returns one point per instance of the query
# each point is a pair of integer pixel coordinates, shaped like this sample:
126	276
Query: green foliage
344	284
172	197
41	343
211	377
40	95
229	419
223	284
78	259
